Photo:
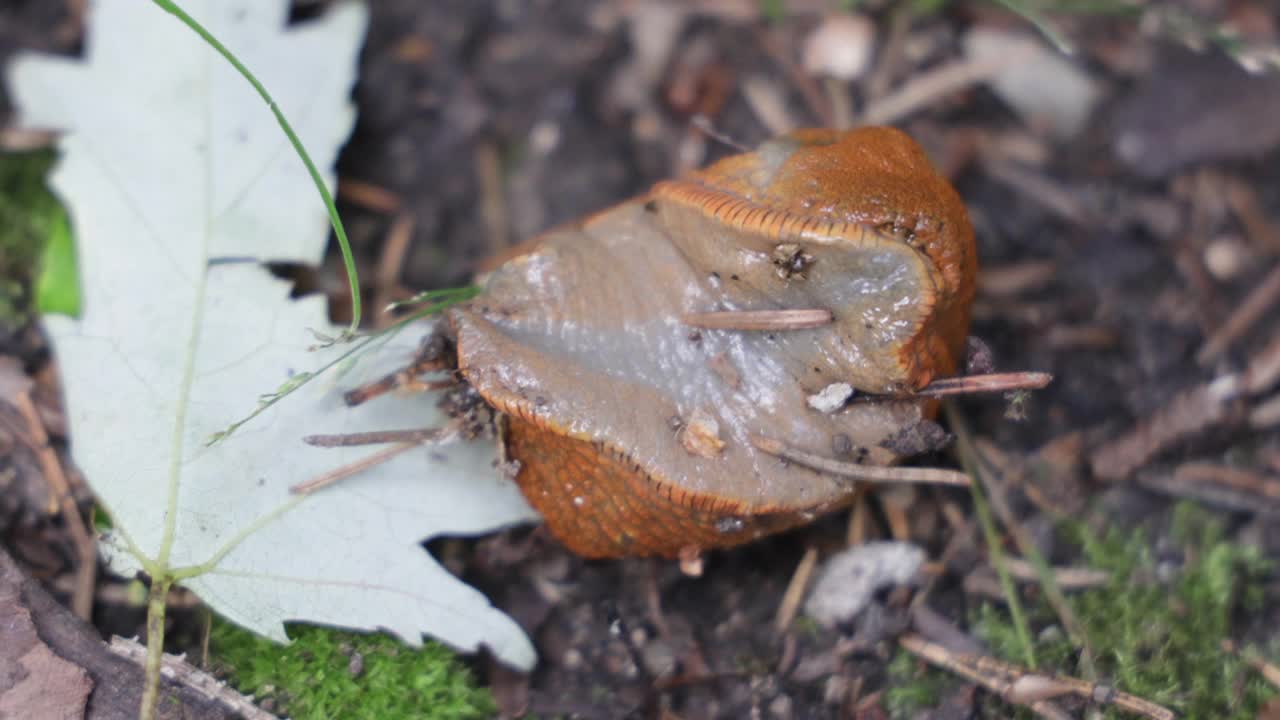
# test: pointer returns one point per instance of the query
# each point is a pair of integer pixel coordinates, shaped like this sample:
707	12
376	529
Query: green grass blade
348	259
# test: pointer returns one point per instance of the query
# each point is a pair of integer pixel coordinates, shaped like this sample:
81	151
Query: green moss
312	677
913	686
1158	639
31	221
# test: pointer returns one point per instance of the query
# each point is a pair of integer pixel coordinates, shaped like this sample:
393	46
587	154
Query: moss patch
1156	627
913	686
318	675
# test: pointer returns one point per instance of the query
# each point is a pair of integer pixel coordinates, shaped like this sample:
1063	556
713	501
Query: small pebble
1226	257
781	707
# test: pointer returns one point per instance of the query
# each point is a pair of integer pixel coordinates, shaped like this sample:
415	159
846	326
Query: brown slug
644	358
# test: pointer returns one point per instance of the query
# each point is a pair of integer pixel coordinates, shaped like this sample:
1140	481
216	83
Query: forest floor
1126	202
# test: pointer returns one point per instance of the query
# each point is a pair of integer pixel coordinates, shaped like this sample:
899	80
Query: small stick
400	380
1253	660
379	437
794	593
346	471
993	382
992	674
930	86
1265	414
706	127
991	478
1016	278
368	195
758	319
796	75
1067	578
1261	300
1021	686
184	674
856	533
854	471
390	262
1264	368
62	499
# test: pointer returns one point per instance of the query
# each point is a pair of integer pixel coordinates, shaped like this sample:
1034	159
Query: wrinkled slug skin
631	428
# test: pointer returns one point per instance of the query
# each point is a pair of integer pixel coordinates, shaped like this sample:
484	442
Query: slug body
632	428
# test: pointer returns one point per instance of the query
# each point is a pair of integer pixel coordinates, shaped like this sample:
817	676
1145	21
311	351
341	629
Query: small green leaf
58	284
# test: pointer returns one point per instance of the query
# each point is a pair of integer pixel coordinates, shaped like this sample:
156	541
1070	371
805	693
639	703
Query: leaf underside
180	186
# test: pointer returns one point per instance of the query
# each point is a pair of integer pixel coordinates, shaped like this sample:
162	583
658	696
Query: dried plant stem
346	471
987	477
758	319
854	471
1025	687
380	437
1260	301
993	382
155	645
62	500
704	125
794	593
993	539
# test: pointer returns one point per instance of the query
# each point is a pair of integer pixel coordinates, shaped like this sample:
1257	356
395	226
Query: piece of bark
34	682
116	682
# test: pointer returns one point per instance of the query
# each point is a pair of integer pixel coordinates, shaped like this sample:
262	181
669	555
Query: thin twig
1243	200
991	479
854	471
62	500
347	471
1016	278
493	201
182	672
1066	578
704	125
994	548
402	380
809	90
367	195
993	382
1266	414
390	262
1187	414
1039	189
1263	370
929	86
1025	687
886	69
1218	486
380	437
794	593
1268	670
1261	301
758	319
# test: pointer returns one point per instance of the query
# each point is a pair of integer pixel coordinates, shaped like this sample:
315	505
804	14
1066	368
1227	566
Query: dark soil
489	122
